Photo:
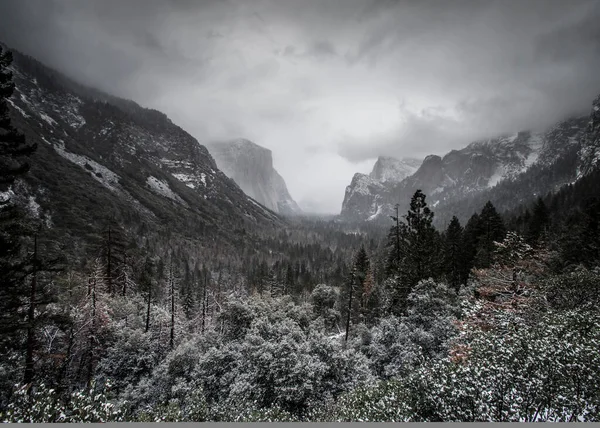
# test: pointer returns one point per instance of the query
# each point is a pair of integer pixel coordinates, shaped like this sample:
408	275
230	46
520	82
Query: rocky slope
470	171
100	156
251	167
590	145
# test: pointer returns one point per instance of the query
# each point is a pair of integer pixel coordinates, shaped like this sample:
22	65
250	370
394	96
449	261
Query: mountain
366	196
590	146
251	167
388	169
103	157
478	168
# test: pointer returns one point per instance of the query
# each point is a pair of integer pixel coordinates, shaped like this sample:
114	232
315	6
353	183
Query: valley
150	275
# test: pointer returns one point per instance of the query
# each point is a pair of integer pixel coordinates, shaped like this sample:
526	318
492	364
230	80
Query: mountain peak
391	169
251	167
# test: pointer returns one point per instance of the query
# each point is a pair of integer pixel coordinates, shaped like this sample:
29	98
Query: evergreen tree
453	257
580	235
538	223
418	249
470	241
113	253
13	146
491	230
147	284
395	251
355	287
14	266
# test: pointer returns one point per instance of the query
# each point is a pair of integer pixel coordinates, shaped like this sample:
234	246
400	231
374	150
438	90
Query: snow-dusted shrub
548	372
323	300
42	404
177	369
133	354
397	345
191	407
279	364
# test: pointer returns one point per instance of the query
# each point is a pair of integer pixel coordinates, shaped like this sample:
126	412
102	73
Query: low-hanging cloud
327	85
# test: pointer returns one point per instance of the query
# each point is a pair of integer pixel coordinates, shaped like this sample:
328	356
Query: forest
492	320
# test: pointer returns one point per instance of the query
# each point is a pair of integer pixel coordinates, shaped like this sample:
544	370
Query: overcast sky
327	85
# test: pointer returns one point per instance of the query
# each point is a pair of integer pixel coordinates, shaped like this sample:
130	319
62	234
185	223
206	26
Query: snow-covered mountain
478	167
394	170
251	167
101	156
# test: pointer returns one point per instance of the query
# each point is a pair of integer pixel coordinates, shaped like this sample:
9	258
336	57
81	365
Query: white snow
99	172
6	196
536	143
186	179
16	107
191	180
47	119
162	188
498	175
512	138
33	207
377	213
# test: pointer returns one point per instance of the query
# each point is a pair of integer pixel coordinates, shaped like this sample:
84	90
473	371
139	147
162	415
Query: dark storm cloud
327	85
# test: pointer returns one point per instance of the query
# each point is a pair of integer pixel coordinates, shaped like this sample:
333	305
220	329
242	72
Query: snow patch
47	119
377	213
19	109
186	179
6	196
99	172
162	188
33	207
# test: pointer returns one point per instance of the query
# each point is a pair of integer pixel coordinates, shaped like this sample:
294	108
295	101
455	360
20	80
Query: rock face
590	145
477	168
99	155
367	196
251	167
388	169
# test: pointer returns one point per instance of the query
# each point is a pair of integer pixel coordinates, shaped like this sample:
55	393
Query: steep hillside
590	146
100	157
251	167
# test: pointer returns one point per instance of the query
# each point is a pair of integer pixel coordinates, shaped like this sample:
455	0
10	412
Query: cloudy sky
327	85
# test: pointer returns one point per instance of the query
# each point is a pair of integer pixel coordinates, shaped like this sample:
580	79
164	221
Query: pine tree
147	285
395	252
453	258
418	249
538	223
113	251
13	146
355	285
172	296
491	230
14	267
